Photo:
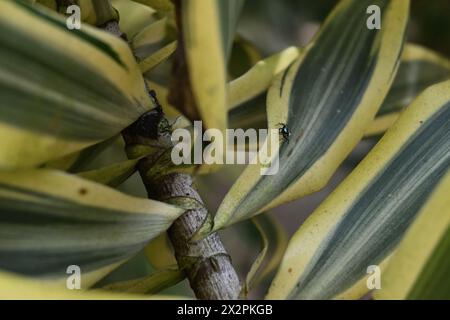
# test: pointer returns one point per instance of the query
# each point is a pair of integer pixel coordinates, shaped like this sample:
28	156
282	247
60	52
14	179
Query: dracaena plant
138	69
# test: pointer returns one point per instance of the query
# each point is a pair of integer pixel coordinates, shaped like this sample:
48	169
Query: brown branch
206	262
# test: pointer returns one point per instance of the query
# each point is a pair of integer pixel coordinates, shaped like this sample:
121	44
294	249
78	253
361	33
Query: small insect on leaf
284	132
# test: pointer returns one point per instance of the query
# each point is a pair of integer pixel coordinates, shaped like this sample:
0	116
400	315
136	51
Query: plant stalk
206	262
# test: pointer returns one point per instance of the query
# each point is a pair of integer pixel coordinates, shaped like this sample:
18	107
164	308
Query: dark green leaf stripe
50	80
401	187
41	234
327	88
412	78
60	23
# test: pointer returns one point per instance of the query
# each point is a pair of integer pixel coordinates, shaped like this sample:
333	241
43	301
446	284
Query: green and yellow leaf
419	69
208	32
94	12
13	287
273	244
150	37
74	89
48	3
420	267
246	94
260	77
150	284
257	264
133	16
363	220
156	58
164	6
112	175
51	220
75	162
327	98
160	253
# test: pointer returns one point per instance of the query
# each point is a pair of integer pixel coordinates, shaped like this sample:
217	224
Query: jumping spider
284	132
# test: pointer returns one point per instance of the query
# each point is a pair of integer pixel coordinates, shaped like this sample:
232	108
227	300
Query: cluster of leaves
65	95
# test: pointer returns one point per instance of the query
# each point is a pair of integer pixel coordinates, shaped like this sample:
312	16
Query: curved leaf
112	175
133	16
75	162
246	94
259	77
160	253
151	38
94	12
57	99
273	244
419	69
420	266
257	264
50	220
157	57
208	32
326	98
151	284
163	6
14	287
363	220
